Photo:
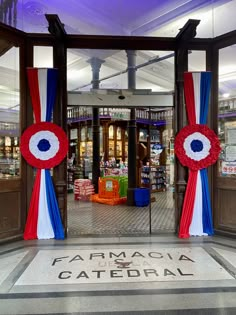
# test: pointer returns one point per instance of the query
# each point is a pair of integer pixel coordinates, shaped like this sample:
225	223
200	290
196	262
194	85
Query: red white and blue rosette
197	147
43	145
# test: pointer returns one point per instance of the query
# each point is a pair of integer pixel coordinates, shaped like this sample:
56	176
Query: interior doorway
155	172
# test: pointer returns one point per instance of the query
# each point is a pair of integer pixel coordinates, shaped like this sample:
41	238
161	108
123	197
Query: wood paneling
10	211
11	223
226	209
225	206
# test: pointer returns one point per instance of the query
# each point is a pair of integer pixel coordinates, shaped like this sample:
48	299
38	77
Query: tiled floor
119	275
89	218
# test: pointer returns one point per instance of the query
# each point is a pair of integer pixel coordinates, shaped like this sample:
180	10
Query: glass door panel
161	170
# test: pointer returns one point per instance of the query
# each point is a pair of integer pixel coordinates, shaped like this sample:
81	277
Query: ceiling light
225	95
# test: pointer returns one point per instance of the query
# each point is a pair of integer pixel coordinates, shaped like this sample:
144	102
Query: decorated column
197	147
43	145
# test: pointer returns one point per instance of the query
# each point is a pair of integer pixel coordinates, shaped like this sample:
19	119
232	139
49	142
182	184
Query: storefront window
227	114
9	114
196	60
43	57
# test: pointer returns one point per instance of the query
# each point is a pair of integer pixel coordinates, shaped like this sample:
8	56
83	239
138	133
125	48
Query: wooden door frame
60	42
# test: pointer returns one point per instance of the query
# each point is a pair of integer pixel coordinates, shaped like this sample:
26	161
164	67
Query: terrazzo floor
147	275
91	218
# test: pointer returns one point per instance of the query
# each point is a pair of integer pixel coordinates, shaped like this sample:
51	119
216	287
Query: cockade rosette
44	145
197	146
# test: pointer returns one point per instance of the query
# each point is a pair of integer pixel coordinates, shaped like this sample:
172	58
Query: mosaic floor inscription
121	265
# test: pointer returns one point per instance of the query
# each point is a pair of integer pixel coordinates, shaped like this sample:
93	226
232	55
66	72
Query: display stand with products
9	156
154	177
70	180
112	190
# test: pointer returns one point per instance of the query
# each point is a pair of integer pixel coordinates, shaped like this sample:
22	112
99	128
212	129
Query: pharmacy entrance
106	212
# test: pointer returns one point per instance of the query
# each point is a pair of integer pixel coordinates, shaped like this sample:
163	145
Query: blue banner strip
206	204
52	77
205	87
53	208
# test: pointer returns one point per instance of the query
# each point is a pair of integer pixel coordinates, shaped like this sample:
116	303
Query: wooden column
56	28
27	120
181	65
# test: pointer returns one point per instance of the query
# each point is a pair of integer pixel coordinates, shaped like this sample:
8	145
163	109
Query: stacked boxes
83	189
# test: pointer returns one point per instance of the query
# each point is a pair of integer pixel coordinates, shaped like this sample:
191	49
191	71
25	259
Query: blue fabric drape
52	77
205	93
206	204
53	208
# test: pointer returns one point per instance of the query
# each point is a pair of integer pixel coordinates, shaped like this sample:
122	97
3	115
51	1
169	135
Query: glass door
160	170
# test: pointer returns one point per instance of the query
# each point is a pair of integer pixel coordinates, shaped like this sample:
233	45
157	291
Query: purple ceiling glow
108	17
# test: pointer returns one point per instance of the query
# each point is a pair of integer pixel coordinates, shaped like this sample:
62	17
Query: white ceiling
122	17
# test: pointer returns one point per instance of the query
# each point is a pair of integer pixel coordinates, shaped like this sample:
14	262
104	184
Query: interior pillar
96	66
132	131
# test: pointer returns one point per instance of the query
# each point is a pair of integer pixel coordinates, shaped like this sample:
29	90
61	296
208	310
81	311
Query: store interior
154	167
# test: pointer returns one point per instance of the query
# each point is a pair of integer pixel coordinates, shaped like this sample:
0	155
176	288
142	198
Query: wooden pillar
27	119
212	64
181	65
56	28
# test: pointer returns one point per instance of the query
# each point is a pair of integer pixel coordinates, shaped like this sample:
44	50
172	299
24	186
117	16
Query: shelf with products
9	156
70	179
154	177
116	143
86	148
111	149
118	148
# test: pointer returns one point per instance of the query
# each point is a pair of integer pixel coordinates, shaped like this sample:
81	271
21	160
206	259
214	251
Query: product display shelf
154	177
70	180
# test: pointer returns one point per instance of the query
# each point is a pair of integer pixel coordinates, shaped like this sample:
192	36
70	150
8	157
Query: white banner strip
44	228
42	78
196	86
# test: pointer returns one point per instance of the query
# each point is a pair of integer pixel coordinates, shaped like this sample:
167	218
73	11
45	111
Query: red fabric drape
32	219
187	212
189	97
34	92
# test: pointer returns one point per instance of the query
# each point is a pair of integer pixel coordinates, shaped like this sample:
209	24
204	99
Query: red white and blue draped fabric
197	147
43	145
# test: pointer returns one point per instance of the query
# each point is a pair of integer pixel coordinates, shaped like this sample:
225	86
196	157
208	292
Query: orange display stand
108	188
111	201
108	192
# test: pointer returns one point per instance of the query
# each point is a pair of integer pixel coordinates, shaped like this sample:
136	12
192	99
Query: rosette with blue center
44	145
197	146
